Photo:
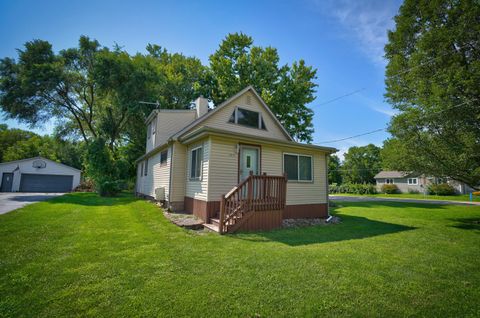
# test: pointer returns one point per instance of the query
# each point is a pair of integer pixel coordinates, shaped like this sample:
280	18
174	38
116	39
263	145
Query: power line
382	129
351	137
340	97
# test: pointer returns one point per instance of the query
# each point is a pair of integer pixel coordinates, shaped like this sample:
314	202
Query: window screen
297	167
163	157
196	163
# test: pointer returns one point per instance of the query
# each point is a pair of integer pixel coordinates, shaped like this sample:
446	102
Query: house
38	174
416	182
229	166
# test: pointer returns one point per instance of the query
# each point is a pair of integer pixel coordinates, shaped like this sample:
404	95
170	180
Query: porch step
211	227
214	221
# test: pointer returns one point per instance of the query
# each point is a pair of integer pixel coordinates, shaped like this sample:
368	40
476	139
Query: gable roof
38	157
201	119
392	174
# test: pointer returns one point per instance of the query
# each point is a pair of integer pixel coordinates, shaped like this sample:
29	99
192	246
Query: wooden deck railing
255	193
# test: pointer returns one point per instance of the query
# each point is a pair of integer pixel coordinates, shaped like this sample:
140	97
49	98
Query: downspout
170	177
329	217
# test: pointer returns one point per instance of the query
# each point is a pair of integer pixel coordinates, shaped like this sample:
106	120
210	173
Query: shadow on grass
468	224
351	228
93	199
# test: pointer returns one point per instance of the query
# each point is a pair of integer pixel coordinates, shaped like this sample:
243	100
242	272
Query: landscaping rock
288	223
184	220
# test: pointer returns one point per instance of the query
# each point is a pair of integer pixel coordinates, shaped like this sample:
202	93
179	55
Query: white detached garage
38	175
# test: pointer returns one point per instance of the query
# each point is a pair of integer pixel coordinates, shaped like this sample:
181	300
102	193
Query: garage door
45	183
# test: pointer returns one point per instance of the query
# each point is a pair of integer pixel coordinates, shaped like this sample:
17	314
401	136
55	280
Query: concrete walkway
428	201
10	201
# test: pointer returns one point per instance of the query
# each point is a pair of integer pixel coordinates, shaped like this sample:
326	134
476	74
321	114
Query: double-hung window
146	167
412	181
298	167
389	181
196	159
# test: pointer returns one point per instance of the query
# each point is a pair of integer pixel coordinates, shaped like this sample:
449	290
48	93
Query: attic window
247	118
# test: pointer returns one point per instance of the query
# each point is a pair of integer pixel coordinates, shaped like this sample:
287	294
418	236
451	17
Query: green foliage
389	188
102	168
9	137
413	191
432	78
286	89
353	188
361	164
334	173
441	189
20	144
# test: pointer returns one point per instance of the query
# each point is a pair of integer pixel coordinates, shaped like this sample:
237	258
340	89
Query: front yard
81	255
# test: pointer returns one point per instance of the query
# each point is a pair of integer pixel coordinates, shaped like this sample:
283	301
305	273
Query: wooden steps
211	227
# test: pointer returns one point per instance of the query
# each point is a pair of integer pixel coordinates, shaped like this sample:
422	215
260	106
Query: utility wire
382	129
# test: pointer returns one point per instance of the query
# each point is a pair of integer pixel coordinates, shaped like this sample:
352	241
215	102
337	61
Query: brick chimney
201	105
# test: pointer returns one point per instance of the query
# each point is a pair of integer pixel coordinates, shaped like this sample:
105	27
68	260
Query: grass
81	255
417	196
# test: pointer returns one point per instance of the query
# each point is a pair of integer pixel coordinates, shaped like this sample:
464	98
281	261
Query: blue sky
343	39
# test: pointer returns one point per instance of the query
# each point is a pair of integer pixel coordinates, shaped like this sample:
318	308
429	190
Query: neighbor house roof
392	174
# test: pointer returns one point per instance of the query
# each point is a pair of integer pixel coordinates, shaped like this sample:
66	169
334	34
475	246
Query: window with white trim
196	159
146	167
412	181
249	118
163	157
298	167
389	181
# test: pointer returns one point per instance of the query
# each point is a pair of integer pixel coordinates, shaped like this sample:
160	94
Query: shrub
441	189
108	188
86	185
353	188
389	188
413	191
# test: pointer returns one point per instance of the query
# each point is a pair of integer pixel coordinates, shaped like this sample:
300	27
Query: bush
413	191
441	189
389	188
86	185
109	188
353	188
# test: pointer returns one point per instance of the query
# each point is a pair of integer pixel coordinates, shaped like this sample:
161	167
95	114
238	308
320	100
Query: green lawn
418	196
80	255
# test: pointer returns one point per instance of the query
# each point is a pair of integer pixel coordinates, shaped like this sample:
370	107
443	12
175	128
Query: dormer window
249	118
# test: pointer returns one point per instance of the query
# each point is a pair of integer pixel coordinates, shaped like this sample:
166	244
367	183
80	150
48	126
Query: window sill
300	181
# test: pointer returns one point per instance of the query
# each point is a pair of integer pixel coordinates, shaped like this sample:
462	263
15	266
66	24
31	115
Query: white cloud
368	20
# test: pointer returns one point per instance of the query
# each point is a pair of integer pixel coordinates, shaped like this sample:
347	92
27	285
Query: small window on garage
412	181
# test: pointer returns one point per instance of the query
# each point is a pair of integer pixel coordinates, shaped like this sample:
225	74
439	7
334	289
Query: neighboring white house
415	182
194	157
38	175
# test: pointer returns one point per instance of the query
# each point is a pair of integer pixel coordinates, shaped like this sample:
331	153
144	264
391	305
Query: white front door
249	161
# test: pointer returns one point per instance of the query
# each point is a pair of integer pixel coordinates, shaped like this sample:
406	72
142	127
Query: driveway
365	199
10	201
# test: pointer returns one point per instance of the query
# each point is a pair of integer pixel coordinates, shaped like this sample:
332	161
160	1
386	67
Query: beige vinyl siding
179	172
157	175
220	118
223	168
198	189
171	121
224	171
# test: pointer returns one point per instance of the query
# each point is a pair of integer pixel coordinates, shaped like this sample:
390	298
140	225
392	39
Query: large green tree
433	79
9	137
361	164
334	170
286	89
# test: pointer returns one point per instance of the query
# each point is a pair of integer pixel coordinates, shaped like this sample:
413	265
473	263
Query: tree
286	89
9	137
334	173
432	78
50	147
361	164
